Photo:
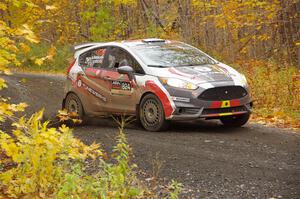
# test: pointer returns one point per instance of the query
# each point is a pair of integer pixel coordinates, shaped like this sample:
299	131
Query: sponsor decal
81	84
94	60
181	99
225	104
119	85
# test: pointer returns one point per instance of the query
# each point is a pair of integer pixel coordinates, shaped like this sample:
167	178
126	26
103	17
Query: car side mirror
126	70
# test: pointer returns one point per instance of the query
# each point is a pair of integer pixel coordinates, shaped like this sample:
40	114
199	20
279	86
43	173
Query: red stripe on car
234	103
70	66
216	104
162	96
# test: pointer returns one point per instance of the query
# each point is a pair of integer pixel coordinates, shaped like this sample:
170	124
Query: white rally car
157	80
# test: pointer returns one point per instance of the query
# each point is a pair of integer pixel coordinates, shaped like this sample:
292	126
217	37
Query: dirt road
213	162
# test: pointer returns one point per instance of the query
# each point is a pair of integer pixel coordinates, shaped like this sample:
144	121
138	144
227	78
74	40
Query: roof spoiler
85	45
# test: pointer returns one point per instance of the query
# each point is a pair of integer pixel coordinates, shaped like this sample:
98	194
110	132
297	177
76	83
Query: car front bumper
190	105
189	113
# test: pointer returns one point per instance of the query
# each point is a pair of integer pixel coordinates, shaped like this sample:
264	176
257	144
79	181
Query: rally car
156	80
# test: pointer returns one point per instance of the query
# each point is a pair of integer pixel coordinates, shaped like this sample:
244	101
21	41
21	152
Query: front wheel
151	114
235	120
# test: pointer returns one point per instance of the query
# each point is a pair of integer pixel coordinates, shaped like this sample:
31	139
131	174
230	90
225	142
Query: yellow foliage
50	163
7	110
2	83
64	115
51	53
51	7
41	155
235	16
8	46
125	2
25	48
27	33
8	51
39	61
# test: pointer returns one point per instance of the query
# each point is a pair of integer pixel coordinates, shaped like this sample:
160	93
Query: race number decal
126	86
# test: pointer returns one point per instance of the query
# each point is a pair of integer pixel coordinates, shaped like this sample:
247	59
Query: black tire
73	104
235	120
151	114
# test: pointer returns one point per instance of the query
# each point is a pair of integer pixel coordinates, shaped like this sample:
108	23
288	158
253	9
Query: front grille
210	111
223	93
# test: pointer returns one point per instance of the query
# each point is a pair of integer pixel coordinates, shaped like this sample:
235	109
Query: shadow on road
198	126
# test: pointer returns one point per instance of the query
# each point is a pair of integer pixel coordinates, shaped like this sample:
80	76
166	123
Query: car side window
93	58
117	57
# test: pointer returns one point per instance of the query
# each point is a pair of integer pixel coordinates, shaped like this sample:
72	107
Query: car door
121	88
96	96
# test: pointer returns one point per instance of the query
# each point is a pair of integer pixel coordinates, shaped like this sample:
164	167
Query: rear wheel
235	120
74	105
151	114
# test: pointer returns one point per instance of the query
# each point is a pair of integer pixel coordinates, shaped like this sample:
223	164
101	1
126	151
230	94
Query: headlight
244	80
178	83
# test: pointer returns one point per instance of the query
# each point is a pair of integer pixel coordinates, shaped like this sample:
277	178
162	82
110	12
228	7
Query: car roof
128	43
148	41
81	48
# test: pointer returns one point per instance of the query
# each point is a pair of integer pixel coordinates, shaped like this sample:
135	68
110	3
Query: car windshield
171	55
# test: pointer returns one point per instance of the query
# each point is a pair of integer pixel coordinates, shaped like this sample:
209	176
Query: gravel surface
211	161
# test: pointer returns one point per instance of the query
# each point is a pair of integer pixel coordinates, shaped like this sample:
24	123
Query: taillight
71	65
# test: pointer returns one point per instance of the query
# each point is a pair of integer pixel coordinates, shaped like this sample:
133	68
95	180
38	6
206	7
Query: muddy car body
156	80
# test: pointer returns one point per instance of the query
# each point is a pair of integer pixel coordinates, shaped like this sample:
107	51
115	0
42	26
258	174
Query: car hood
199	74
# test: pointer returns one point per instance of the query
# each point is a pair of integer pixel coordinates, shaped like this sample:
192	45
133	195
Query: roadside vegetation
276	93
42	162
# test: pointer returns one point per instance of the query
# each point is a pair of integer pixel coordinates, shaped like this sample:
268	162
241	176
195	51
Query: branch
157	19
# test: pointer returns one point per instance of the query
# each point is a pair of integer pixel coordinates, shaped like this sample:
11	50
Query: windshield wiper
184	65
157	66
